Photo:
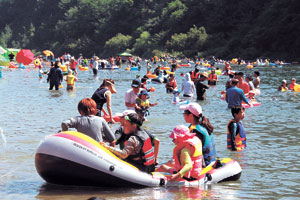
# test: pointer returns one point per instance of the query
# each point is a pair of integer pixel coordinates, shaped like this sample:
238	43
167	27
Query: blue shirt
235	96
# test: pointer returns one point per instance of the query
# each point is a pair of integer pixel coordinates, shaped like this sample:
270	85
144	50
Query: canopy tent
2	50
4	61
125	54
25	56
48	53
14	51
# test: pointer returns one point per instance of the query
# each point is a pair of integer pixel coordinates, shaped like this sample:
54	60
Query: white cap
125	113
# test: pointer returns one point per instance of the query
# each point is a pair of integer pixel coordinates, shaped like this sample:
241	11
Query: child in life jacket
144	83
187	156
176	94
70	78
212	78
293	84
236	134
143	104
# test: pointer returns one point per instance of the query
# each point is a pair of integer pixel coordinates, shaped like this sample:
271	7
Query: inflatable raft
72	158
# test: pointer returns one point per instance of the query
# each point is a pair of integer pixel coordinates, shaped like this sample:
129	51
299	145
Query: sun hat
181	132
125	113
205	74
193	108
284	81
136	83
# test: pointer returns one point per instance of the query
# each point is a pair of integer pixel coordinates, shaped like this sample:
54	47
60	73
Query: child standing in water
70	78
143	104
236	134
176	98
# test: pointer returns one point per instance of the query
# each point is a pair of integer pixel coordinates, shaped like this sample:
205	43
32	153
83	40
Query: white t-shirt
95	64
130	97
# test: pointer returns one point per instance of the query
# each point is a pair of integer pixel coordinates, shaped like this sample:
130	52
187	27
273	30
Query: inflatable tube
12	65
109	67
185	65
181	102
134	69
81	68
63	68
218	72
72	158
165	68
169	72
37	62
297	88
151	75
253	104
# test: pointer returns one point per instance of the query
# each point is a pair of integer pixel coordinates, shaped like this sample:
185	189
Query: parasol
25	56
125	54
48	53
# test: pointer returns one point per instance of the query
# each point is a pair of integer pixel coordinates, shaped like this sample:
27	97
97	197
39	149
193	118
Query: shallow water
29	112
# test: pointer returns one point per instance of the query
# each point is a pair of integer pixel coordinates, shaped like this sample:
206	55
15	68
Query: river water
29	112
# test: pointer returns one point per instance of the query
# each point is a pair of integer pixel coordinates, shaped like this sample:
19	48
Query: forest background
226	29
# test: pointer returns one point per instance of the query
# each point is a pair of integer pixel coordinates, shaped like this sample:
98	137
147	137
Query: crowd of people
194	144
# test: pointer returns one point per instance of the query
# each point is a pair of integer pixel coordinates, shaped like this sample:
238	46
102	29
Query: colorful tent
4	61
25	56
2	50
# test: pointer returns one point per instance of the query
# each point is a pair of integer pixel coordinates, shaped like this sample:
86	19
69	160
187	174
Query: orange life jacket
194	76
212	76
240	138
146	156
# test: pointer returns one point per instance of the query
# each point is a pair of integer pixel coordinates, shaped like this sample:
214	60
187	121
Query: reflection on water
29	112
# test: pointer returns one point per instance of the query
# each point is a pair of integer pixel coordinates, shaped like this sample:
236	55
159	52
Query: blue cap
144	92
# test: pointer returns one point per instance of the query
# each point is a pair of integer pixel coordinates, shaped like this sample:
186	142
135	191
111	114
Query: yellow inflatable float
151	76
297	88
63	68
82	68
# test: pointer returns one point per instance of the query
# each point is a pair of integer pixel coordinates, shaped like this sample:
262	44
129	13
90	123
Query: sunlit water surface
29	112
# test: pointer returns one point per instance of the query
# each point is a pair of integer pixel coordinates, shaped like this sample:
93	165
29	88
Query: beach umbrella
25	56
125	54
48	53
2	50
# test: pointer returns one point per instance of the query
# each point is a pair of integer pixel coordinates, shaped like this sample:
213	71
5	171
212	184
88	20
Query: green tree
5	36
117	44
189	43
